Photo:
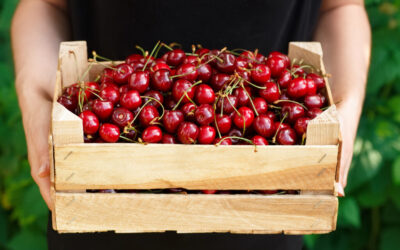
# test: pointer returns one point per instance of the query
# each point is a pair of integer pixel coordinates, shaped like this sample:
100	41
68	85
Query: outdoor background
369	215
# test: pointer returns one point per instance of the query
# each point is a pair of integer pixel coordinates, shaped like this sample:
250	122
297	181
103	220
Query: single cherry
156	95
122	73
188	133
149	115
243	96
245	119
103	109
172	119
293	111
314	112
218	81
223	123
284	79
270	93
227	63
68	102
139	81
131	100
187	71
110	94
152	134
313	101
204	94
224	141
301	125
204	73
318	80
227	104
237	133
90	122
260	73
204	114
175	57
259	140
311	87
188	110
297	88
161	80
264	126
168	139
277	65
206	135
180	87
287	136
109	132
261	105
121	117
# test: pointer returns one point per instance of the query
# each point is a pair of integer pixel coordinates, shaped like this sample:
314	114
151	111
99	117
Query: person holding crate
113	27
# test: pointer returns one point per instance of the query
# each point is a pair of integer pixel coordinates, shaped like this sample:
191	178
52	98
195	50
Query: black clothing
114	27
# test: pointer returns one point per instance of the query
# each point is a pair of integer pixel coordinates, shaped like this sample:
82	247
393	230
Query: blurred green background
369	215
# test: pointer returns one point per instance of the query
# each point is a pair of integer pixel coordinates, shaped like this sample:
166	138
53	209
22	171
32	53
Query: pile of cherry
203	97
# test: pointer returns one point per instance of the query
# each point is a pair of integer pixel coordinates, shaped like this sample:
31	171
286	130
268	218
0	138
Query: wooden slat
66	126
137	166
73	62
92	212
324	129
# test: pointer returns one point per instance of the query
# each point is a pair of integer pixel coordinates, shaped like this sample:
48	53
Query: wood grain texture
66	126
91	212
324	129
73	62
137	166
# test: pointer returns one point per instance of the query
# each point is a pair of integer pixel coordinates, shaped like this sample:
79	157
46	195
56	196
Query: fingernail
43	171
340	190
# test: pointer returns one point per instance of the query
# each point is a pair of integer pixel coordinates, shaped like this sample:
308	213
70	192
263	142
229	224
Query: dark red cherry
260	58
311	87
313	101
152	134
297	70
276	64
139	81
191	59
161	80
137	66
121	117
245	119
318	80
131	100
107	75
227	103
180	87
243	96
188	110
204	73
248	56
90	89
204	114
280	126
103	109
204	94
264	126
237	133
270	93
187	71
172	119
160	65
202	51
297	88
206	135
259	140
169	102
149	115
110	94
175	57
218	81
241	64
188	133
227	63
90	122
168	139
260	73
68	102
224	141
156	95
293	110
287	136
284	79
122	73
301	125
109	84
123	89
246	75
271	115
223	123
133	58
261	105
281	55
109	132
314	112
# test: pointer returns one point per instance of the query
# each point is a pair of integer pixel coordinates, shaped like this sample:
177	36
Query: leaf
349	213
27	240
3	226
396	171
390	239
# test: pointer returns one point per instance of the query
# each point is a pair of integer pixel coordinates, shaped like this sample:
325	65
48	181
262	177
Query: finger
44	187
339	189
44	170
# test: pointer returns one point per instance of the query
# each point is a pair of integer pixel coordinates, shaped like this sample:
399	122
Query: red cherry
243	96
161	80
90	88
107	75
204	114
152	134
149	115
109	84
287	136
103	109
131	100
160	65
202	51
313	101
323	98
208	191
88	106
168	139
277	65
123	89
224	141
284	79
223	123
260	73
301	125
122	73
90	122
109	132
293	110
259	58
270	93
68	102
204	73
191	59
246	76
139	81
241	64
187	71
172	119
226	103
318	80
188	110
180	87
206	135
204	94
314	112
156	95
169	102
259	140
297	88
261	105
280	126
227	63
188	133
297	70
245	119
110	94
248	56
137	66
218	81
133	58
264	126
311	87
121	117
175	57
283	56
237	133
271	115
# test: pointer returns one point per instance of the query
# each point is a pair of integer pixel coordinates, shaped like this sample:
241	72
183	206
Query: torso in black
114	27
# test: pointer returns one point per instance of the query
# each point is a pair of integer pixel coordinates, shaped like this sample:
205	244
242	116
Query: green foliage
369	215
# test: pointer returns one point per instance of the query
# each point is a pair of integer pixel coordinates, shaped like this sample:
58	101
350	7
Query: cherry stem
166	46
151	54
214	57
86	71
104	65
154	99
138	113
126	138
233	106
303	139
216	125
251	101
193	48
239	138
279	128
175	44
140	49
95	56
185	94
274	107
252	84
279	101
191	54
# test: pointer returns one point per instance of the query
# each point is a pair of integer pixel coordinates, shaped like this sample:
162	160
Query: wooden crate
311	168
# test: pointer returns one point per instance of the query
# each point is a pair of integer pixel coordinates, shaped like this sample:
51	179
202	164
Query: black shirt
114	27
